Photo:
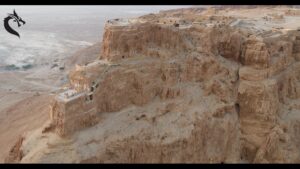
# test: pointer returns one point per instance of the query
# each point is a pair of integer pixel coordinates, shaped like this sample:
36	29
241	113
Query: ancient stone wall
74	114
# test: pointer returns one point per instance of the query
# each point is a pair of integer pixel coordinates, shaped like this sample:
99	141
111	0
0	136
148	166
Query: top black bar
150	2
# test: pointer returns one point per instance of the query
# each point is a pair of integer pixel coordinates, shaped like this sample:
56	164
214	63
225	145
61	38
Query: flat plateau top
257	20
266	18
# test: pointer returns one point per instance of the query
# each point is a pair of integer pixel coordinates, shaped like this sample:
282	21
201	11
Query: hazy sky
53	32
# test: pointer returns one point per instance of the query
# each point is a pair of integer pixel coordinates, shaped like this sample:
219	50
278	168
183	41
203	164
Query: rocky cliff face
181	86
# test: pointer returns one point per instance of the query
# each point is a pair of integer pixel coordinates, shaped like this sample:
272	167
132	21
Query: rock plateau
195	85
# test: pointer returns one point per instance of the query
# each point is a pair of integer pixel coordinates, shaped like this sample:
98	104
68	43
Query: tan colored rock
258	102
15	153
256	54
213	89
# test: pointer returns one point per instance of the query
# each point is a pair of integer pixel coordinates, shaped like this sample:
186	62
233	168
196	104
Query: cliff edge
216	85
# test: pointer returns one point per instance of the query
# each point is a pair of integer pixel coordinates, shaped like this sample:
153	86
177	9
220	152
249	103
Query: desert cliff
216	85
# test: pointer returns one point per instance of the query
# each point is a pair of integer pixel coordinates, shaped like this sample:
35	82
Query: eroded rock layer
187	85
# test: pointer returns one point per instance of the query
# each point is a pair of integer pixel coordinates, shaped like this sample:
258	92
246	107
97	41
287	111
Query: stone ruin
74	109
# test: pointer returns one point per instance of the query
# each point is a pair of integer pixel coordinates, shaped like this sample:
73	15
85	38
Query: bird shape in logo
16	19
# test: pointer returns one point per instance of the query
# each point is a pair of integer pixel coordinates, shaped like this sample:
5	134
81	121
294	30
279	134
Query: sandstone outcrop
215	91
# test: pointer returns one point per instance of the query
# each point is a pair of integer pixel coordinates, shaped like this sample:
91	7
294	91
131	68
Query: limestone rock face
160	41
258	103
15	154
256	54
170	89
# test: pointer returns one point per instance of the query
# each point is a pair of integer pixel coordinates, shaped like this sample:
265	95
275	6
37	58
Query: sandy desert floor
23	105
25	96
19	105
